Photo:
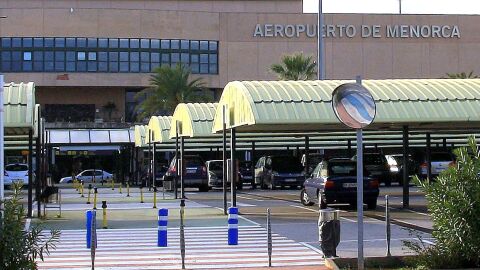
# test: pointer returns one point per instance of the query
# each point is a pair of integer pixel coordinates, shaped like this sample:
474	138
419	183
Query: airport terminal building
83	55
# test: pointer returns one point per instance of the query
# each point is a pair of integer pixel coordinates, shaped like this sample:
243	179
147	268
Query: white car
87	177
17	172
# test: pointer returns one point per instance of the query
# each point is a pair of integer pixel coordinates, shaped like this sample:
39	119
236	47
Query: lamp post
321	45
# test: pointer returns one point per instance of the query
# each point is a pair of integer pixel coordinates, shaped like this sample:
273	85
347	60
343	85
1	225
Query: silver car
15	173
89	176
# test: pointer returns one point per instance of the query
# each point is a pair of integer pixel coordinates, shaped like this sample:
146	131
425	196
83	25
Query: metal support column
406	195
38	150
149	160
428	153
349	147
224	145
233	171
182	165
307	158
154	164
177	163
30	174
252	169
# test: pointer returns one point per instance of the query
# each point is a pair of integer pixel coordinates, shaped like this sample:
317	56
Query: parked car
161	170
335	181
377	167
245	172
314	159
89	176
194	172
215	173
17	172
273	171
395	162
440	161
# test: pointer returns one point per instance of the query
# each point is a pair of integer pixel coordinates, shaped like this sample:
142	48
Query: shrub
20	248
453	201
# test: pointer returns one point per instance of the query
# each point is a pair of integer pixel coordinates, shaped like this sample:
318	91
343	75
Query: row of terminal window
105	54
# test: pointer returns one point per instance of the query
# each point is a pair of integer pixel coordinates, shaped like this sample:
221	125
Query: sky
393	6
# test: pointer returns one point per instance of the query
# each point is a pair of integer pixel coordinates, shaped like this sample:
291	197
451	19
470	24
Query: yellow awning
195	120
160	128
139	134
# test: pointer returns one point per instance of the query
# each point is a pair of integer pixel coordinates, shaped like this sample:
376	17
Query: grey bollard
329	231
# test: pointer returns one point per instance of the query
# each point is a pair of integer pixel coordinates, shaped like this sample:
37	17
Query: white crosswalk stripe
206	248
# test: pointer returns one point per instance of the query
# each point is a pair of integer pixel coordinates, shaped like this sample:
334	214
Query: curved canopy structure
263	106
195	120
19	108
139	134
160	128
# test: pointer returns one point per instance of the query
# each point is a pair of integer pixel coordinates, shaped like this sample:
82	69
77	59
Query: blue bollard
162	227
89	214
233	226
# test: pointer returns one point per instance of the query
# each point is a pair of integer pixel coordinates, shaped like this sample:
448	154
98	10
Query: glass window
81	56
184	58
48	56
37	66
203	58
48	66
113	56
102	56
92	56
70	66
124	56
134	43
38	56
81	42
16	56
195	68
175	44
113	66
194	58
165	58
103	66
27	56
59	42
16	66
92	66
123	43
145	56
184	44
124	67
155	43
27	66
213	69
213	46
194	45
70	42
155	57
203	45
48	42
71	56
203	68
59	56
6	42
38	42
6	66
113	42
145	43
82	66
59	66
134	67
175	57
92	42
145	67
6	56
16	42
102	43
134	56
165	44
27	42
155	65
213	58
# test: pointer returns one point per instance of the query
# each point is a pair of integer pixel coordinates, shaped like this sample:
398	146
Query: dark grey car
273	171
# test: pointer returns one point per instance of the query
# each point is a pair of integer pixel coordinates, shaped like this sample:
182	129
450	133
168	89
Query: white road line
249	198
301	207
312	248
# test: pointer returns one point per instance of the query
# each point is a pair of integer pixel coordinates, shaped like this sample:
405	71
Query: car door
259	169
85	176
314	182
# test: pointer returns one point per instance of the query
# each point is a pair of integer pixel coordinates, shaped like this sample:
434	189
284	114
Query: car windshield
441	157
215	166
373	160
342	169
286	164
16	168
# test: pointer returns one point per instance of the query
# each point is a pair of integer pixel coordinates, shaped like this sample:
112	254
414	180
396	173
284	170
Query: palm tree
170	86
296	67
462	75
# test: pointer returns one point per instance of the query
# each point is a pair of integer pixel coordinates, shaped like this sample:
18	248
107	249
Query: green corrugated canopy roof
195	120
160	128
19	108
263	106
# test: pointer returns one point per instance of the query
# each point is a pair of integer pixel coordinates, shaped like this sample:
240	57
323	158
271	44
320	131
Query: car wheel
305	199
372	204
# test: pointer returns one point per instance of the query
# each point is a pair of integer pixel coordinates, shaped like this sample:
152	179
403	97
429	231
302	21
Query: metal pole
30	175
182	164
387	224
233	171
320	41
177	162
360	198
154	164
2	149
307	159
149	160
349	146
406	191
37	164
253	165
269	238
429	158
224	132
182	232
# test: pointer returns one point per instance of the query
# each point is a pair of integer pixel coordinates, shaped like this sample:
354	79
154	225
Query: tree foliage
461	75
170	86
295	67
20	248
453	201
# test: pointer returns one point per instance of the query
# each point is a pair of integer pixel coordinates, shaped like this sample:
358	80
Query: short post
233	226
128	189
89	192
104	220
182	232
88	226
120	188
162	227
387	225
154	197
141	194
95	192
113	184
81	189
269	238
93	246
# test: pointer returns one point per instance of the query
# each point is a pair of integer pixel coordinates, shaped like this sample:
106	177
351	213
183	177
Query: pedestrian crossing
206	248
